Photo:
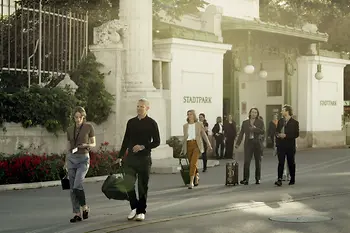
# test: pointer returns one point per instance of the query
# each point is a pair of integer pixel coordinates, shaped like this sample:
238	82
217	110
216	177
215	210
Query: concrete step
172	166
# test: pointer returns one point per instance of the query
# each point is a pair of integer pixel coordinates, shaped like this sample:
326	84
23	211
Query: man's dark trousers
138	167
252	148
282	153
229	148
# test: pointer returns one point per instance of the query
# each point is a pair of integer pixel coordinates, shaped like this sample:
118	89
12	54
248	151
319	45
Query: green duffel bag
116	186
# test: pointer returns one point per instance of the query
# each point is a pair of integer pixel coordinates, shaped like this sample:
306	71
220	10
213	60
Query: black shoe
278	182
257	182
76	218
86	213
204	170
292	182
245	182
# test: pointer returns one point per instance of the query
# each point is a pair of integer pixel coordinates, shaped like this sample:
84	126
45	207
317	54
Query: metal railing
41	40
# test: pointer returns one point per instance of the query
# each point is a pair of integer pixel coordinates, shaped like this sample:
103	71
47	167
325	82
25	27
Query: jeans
78	166
252	149
138	167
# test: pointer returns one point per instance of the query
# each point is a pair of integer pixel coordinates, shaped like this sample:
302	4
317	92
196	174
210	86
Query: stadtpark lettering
328	103
197	99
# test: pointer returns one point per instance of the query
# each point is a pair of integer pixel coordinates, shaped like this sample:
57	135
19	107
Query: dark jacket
216	129
246	129
291	129
272	130
230	130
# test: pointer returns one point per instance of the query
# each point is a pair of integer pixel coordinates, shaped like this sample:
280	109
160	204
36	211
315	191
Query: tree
101	11
331	16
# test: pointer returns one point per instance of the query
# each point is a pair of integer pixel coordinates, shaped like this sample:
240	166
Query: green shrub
27	167
37	106
176	144
92	92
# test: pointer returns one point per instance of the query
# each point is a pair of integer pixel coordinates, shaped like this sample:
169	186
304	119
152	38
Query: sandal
76	218
196	182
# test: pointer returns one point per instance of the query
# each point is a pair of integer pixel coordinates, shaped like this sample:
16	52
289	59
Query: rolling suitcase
231	174
185	171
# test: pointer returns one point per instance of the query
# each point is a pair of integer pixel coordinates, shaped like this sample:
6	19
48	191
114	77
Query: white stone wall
243	9
314	113
196	71
38	139
253	89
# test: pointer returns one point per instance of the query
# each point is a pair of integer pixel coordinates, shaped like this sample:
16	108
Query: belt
191	140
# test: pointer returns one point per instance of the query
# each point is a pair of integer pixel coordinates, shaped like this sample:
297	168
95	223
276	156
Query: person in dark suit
230	133
272	132
286	133
204	154
218	132
262	139
252	128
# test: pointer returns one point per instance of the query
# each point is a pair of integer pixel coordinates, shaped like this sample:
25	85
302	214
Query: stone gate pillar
108	49
137	14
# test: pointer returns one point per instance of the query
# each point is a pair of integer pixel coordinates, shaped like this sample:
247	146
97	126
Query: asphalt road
322	189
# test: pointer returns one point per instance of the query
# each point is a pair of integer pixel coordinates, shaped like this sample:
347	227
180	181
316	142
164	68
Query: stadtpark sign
197	100
328	103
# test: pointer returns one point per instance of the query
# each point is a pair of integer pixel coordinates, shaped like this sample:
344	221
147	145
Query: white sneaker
190	186
132	214
140	217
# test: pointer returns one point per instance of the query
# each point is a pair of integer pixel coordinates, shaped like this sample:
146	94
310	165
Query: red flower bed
27	168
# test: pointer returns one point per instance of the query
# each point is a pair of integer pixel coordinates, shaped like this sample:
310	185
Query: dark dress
230	132
219	139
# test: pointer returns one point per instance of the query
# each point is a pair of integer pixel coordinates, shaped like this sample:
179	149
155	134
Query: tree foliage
101	11
331	16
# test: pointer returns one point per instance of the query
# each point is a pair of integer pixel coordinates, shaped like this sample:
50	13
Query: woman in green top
81	137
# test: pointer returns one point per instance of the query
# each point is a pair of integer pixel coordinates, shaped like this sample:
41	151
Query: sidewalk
157	168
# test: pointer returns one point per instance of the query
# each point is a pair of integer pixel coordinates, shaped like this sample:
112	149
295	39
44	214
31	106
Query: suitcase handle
180	162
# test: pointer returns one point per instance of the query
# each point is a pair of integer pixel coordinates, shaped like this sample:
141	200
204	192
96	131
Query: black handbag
65	183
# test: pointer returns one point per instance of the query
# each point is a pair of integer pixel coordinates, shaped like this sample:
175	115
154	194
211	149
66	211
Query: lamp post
249	68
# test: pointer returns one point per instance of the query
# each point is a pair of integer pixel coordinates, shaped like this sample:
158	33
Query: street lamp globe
249	69
263	74
319	74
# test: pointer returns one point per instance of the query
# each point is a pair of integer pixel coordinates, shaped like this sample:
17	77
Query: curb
46	184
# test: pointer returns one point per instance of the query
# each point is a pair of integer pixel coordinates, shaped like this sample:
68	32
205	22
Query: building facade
265	66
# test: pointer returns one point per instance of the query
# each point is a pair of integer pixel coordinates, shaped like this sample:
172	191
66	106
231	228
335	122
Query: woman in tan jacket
192	145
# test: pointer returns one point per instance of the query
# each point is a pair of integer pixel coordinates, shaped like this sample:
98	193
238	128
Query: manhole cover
300	219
